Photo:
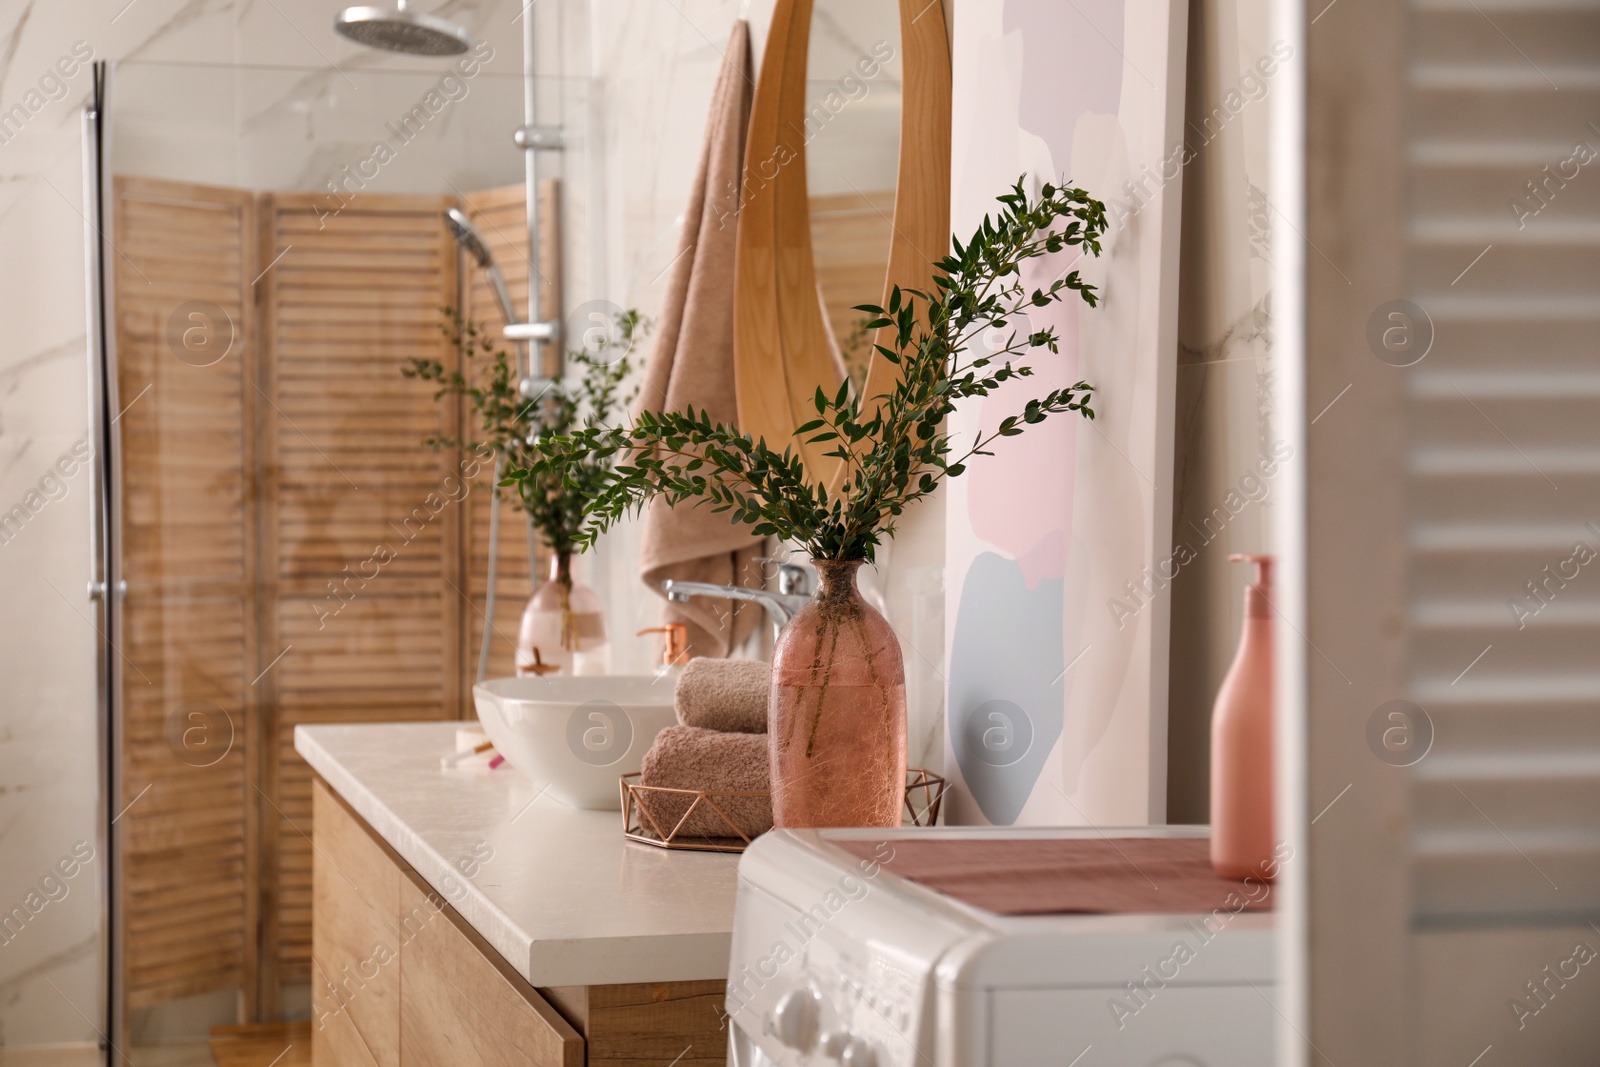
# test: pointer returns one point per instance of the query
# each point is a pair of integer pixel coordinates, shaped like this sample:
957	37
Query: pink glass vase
837	718
563	626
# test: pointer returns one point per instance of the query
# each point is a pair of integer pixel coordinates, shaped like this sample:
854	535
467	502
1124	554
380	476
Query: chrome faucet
794	593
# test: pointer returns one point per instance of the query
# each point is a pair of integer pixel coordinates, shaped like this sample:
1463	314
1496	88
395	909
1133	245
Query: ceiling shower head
399	29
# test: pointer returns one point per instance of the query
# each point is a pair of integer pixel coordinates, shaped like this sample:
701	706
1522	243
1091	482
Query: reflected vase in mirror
563	626
837	718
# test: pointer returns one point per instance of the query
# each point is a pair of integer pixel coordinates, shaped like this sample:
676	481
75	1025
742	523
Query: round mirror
852	122
819	237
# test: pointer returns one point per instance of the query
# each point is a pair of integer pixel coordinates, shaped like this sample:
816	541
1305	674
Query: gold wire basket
924	795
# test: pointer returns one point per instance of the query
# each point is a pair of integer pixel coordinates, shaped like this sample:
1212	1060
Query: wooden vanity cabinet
355	943
400	980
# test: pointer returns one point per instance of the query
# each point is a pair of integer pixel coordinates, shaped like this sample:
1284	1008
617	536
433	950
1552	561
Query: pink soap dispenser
1241	742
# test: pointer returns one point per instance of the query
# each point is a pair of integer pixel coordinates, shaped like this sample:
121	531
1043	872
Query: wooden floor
262	1045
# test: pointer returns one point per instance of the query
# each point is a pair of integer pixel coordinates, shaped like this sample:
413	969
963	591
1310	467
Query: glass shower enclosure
283	544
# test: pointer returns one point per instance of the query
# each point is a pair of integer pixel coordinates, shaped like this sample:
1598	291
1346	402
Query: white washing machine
836	960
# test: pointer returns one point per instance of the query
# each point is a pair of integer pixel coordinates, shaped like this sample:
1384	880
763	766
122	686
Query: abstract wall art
1058	549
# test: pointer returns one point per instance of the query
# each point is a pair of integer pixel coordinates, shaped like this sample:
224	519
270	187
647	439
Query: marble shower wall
48	739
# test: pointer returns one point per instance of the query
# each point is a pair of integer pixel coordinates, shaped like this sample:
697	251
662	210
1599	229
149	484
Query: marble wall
1223	497
48	738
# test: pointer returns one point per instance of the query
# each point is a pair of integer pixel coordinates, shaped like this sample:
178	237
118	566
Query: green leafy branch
893	447
558	504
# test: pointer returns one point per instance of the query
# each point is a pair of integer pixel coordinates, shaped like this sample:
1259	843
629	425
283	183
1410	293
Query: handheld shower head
399	29
473	244
468	237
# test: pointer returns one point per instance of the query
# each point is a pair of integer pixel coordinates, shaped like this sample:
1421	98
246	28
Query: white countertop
565	898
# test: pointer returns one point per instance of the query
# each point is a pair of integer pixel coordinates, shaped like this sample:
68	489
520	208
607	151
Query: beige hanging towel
692	364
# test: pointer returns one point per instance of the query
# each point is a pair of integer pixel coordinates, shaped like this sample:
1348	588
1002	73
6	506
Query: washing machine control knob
858	1054
833	1043
794	1020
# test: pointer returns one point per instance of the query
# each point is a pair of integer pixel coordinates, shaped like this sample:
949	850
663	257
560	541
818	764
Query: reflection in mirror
853	103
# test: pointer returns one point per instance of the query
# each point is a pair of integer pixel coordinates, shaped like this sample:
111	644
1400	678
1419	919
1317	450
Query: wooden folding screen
183	261
361	578
294	553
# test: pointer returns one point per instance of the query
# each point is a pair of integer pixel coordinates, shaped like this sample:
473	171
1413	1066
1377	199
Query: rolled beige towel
724	694
684	757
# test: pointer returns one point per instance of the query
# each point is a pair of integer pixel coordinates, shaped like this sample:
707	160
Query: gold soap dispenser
674	648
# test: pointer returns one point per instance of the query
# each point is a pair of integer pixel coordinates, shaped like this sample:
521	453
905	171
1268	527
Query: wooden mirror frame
781	348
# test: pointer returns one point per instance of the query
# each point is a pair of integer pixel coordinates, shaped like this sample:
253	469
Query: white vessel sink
576	735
